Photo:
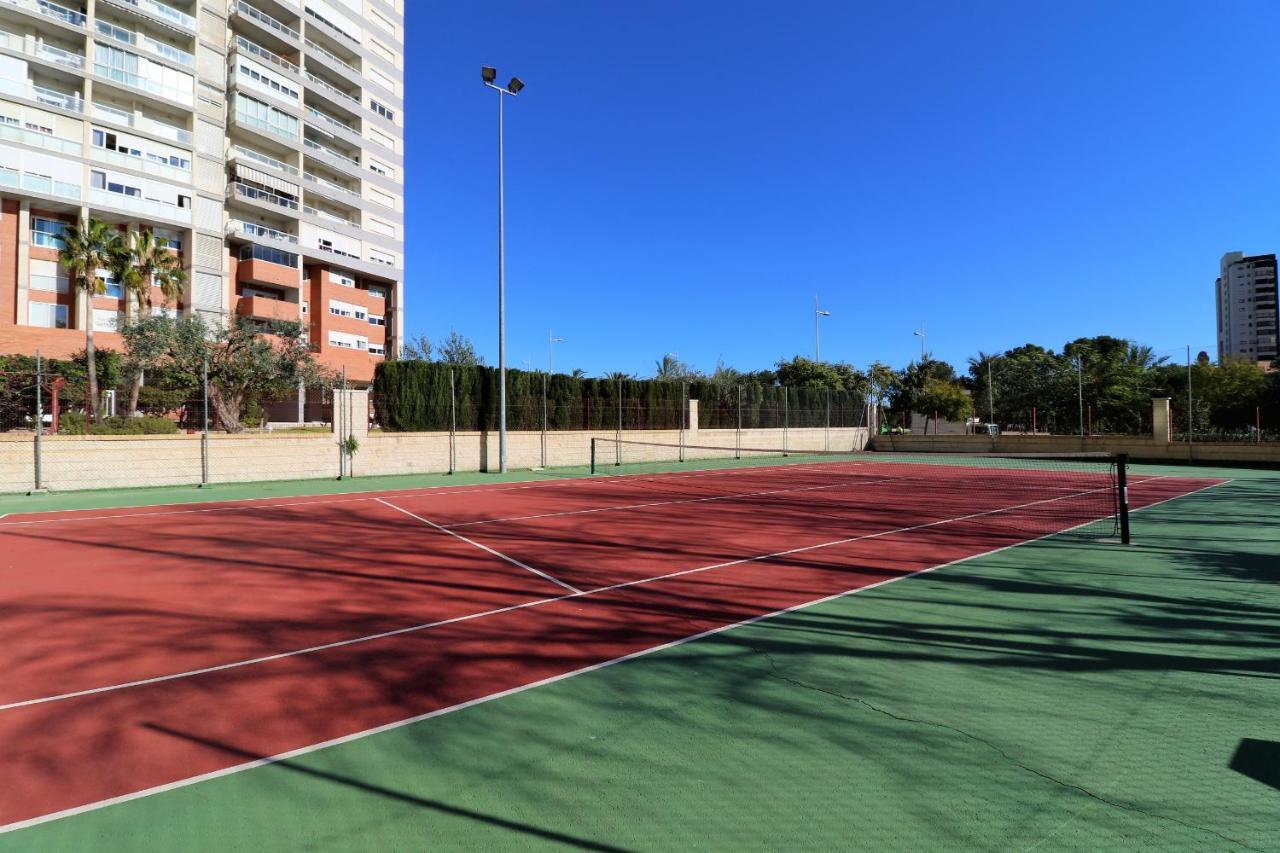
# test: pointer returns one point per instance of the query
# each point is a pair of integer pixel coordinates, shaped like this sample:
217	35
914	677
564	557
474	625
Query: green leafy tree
943	399
801	372
671	369
89	247
417	348
459	351
144	261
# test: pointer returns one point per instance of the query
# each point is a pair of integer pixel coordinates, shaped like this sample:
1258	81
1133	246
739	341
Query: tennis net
1085	494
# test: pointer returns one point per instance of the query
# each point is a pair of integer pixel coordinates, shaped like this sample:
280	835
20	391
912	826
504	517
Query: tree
417	348
89	247
881	381
143	261
247	362
943	399
458	350
726	375
801	372
578	373
672	369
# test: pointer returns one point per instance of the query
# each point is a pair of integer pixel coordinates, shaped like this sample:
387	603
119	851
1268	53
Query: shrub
72	423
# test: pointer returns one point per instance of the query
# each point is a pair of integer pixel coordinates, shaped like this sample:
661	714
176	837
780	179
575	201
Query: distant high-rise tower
263	140
1247	318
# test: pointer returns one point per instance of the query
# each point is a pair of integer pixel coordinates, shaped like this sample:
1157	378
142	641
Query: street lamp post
552	340
488	75
919	333
818	314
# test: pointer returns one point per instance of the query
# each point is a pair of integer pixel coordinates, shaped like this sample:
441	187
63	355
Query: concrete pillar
302	403
351	408
693	416
23	302
1161	423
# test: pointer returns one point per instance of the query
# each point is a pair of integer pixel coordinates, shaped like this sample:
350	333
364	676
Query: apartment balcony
273	202
166	95
17	179
142	124
263	308
37	48
332	157
265	24
335	128
36	139
257	159
274	132
256	233
258	267
329	29
140	164
336	97
146	44
148	208
71	17
153	10
243	45
331	190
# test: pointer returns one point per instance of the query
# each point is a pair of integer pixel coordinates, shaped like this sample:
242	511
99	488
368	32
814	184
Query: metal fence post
786	417
39	418
204	428
453	425
737	446
826	436
1191	415
684	416
617	445
544	420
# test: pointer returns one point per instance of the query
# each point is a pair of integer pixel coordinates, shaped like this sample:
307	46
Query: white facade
1246	301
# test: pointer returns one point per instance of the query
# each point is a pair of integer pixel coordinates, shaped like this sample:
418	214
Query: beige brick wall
101	462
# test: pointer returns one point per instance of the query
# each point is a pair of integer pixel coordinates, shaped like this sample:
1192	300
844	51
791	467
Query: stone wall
99	462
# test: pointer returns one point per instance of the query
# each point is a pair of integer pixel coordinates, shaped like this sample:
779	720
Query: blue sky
685	176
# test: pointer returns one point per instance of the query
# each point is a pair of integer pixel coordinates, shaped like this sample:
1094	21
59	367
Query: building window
47	316
379	292
381	110
254	252
375	320
377	349
47	232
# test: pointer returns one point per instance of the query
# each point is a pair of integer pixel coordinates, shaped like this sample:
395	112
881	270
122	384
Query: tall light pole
552	340
488	75
818	314
919	333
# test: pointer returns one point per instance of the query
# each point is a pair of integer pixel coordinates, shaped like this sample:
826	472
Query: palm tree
143	261
88	247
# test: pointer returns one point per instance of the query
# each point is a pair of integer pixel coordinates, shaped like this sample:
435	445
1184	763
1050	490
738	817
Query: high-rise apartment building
263	139
1247	320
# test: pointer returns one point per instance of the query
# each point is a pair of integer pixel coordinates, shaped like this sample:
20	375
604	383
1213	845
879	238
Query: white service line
470	703
410	629
240	504
621	507
512	560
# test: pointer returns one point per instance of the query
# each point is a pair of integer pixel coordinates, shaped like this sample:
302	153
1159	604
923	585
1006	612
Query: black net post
1122	495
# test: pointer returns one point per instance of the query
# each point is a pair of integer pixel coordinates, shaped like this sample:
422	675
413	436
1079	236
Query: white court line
439	712
620	507
142	682
421	492
512	560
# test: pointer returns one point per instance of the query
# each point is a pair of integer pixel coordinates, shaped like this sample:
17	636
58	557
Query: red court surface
147	647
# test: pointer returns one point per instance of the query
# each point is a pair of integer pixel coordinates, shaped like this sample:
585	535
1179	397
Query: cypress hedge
413	396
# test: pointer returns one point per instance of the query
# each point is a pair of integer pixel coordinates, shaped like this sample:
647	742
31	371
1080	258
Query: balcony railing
32	46
259	195
325	117
242	8
135	81
329	217
313	48
145	206
53	10
142	164
258	157
251	229
145	42
147	125
324	149
32	182
331	27
54	98
254	121
48	142
265	55
338	188
160	10
331	89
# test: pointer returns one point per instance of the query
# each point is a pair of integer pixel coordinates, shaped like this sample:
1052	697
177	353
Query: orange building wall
8	262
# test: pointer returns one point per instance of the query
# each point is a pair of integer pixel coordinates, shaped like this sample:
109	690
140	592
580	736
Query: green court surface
1060	695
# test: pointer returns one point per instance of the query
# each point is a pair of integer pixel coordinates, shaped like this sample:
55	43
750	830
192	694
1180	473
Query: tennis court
166	645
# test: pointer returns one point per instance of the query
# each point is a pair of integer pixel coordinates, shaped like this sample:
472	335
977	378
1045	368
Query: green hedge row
413	396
